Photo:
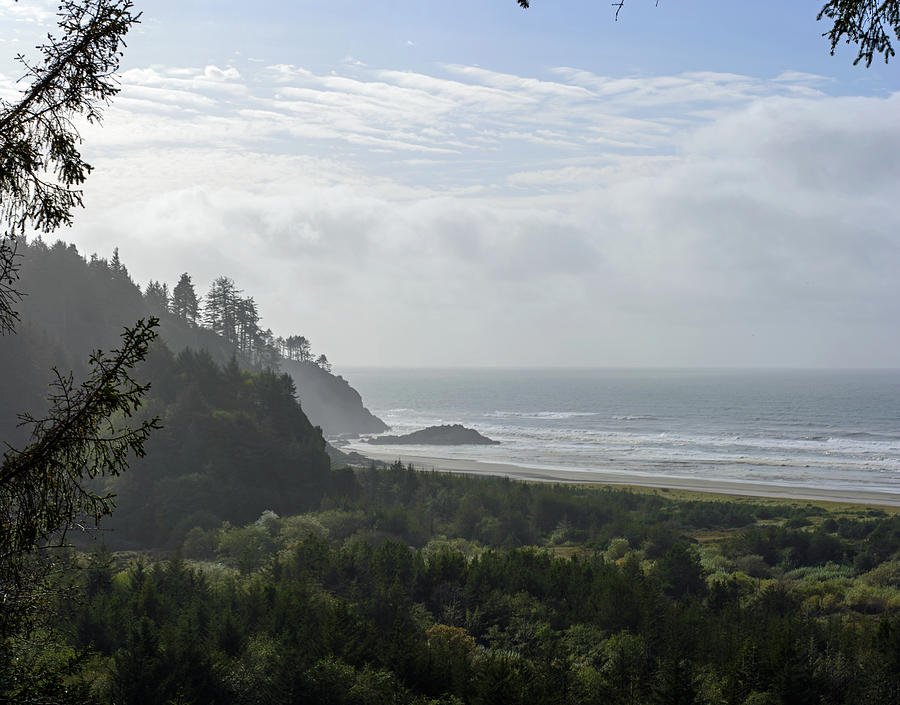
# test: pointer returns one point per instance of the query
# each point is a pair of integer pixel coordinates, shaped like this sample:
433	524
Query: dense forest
411	587
233	443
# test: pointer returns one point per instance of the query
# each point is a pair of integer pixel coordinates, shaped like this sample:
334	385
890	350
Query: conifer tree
45	488
296	347
290	347
41	172
304	354
157	295
220	309
322	362
266	353
185	304
247	325
48	488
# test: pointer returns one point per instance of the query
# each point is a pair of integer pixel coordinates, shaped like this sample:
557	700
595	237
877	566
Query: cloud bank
468	216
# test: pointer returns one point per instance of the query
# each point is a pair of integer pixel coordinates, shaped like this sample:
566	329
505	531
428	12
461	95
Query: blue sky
760	38
423	183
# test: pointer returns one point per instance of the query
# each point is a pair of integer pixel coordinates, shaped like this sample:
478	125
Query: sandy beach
747	489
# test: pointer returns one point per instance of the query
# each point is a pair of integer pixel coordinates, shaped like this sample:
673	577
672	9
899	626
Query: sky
420	183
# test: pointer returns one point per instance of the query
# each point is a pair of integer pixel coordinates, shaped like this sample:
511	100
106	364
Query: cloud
41	12
214	73
571	218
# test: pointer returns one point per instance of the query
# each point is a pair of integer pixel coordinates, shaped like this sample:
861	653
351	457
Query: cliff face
330	402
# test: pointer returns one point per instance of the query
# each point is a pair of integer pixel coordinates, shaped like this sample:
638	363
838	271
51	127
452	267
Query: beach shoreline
598	477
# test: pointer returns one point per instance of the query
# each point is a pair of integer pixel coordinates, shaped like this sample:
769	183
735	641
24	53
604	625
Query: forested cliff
235	439
72	306
233	444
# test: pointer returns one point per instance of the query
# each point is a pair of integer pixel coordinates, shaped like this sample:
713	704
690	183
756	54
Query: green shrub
199	544
885	575
246	549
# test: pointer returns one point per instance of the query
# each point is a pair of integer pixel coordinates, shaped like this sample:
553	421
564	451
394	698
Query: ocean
827	429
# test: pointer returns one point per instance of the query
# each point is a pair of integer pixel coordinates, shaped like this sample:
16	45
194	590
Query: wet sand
746	489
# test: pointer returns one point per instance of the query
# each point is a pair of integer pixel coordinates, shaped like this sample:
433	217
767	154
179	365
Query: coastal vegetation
412	587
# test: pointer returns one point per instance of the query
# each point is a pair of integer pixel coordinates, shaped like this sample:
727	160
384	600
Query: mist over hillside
236	437
73	305
331	401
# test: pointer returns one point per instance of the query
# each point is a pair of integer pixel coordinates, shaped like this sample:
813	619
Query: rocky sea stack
448	435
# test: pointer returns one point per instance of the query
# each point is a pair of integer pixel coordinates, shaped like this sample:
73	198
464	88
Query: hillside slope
72	306
330	401
233	444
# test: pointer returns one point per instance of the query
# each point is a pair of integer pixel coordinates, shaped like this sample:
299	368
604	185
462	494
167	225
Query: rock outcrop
448	435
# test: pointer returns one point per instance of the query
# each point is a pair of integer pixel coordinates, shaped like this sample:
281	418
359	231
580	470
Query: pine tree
157	295
290	347
221	309
304	354
266	353
322	362
43	488
185	304
46	488
247	325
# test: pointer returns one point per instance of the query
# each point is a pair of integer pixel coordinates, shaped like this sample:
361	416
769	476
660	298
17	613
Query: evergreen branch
42	491
865	23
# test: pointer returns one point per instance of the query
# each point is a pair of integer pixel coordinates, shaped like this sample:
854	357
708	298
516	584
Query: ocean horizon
835	429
